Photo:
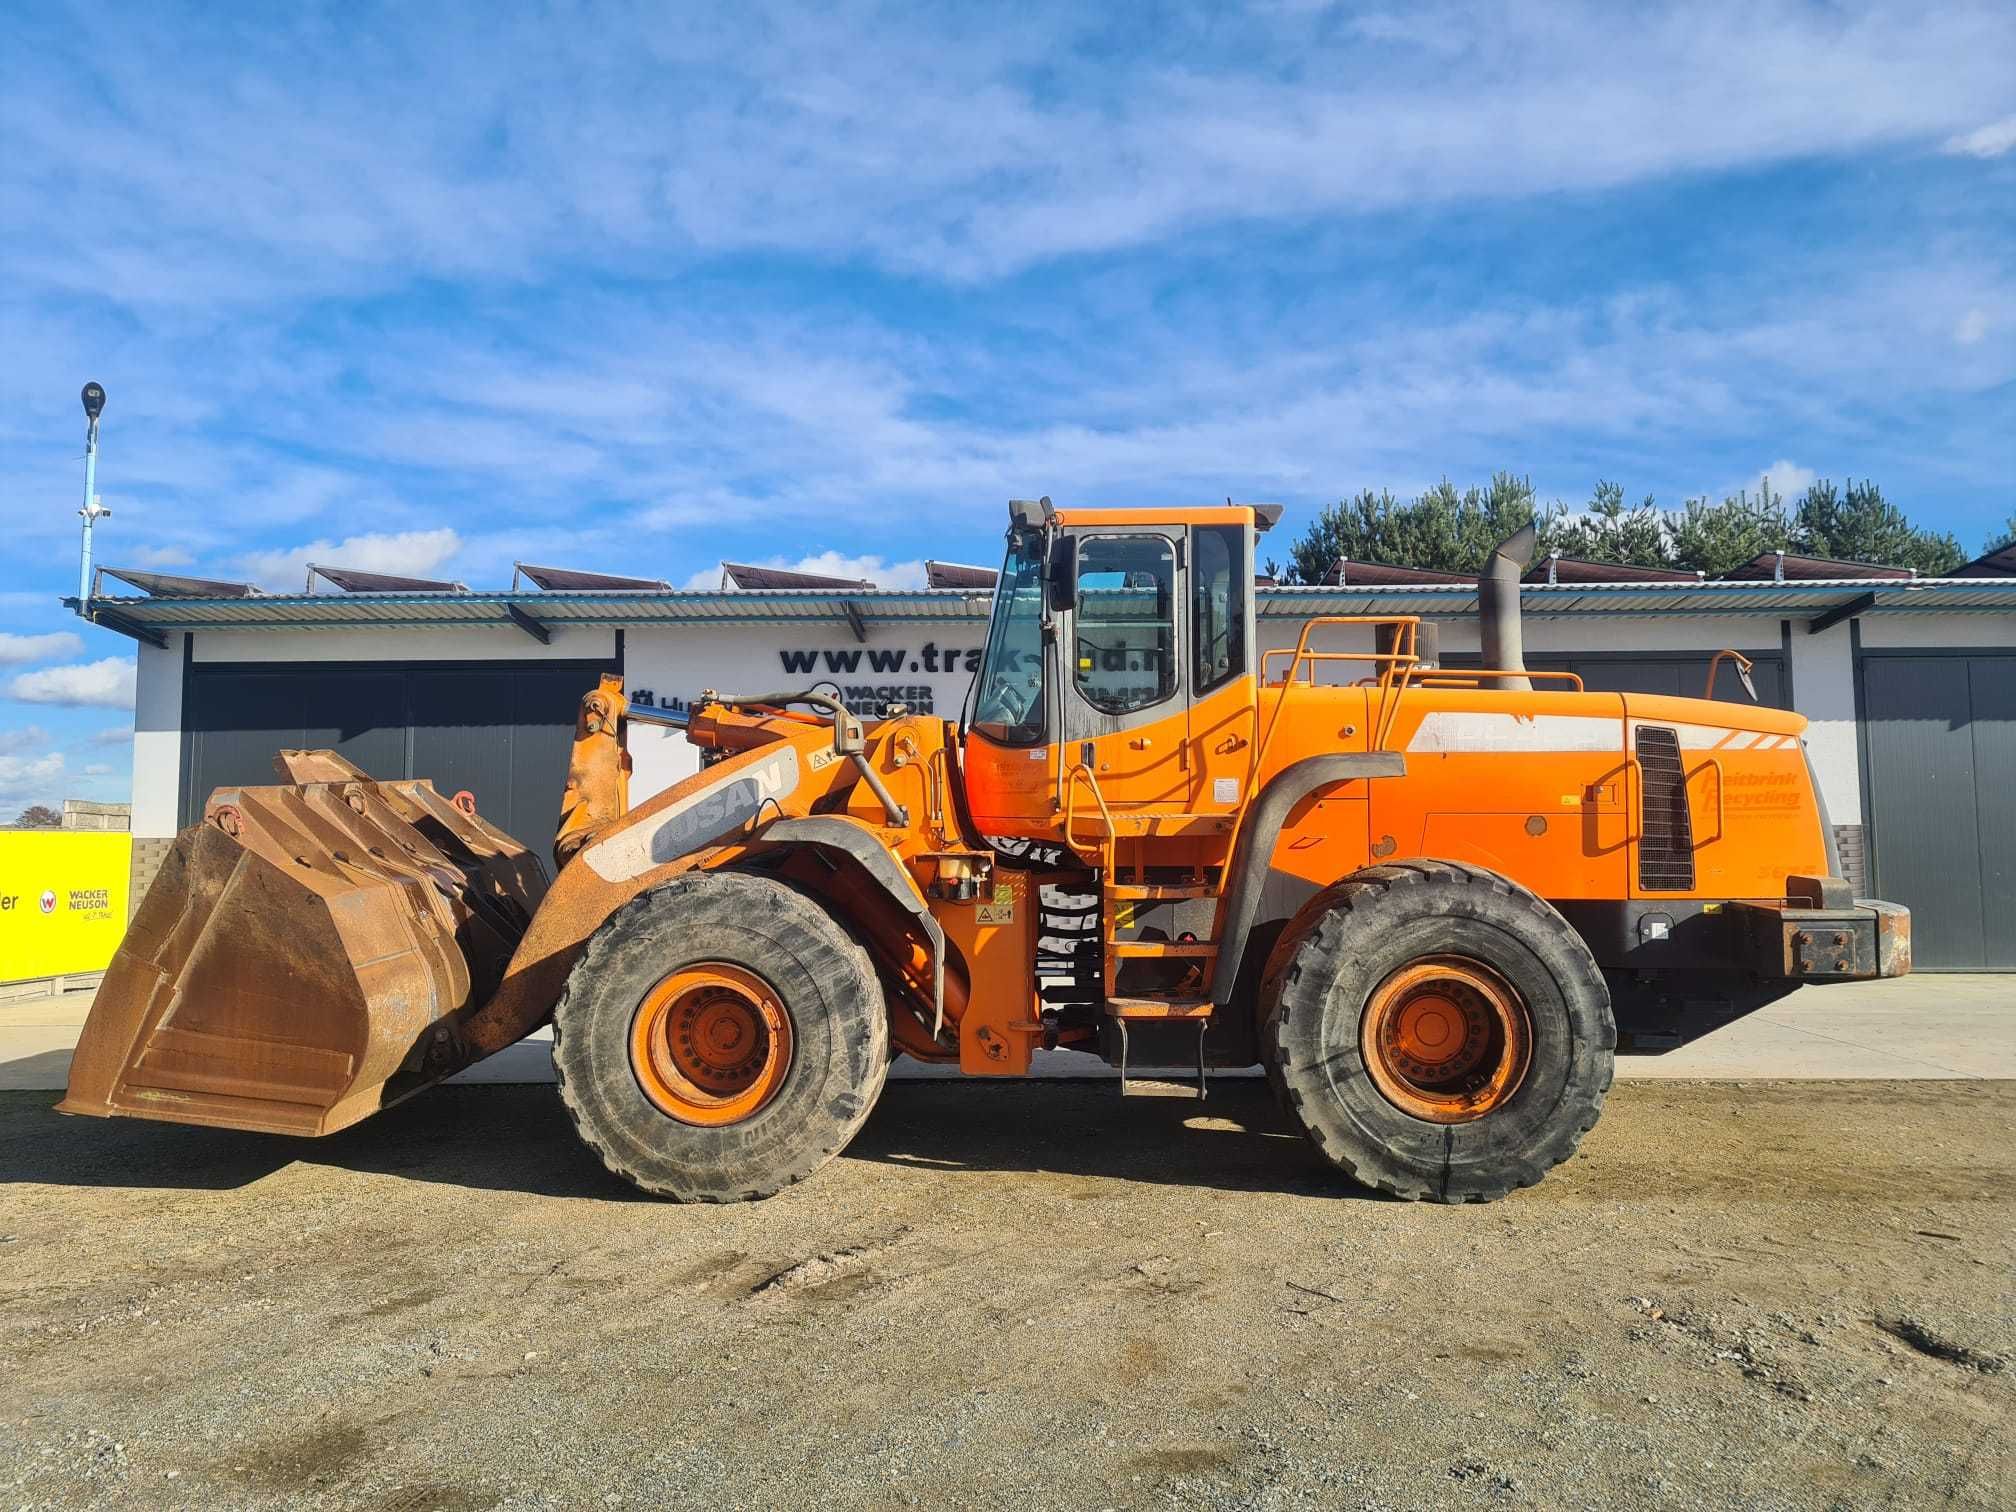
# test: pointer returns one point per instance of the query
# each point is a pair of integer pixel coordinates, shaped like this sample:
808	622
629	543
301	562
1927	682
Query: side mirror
1061	579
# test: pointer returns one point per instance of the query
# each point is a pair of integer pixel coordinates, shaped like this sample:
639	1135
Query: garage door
1941	732
504	732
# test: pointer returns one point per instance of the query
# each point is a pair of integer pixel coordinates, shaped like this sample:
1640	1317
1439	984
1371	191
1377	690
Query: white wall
1888	631
1823	689
157	740
925	664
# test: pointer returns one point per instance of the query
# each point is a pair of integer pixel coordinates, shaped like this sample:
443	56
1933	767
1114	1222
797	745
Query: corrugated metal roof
1799	600
380	610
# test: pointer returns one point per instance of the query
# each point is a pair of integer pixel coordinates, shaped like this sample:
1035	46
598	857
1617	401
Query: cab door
1126	715
1220	637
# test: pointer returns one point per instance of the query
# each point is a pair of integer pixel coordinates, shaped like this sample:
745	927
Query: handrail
1071	777
1322	656
1449	677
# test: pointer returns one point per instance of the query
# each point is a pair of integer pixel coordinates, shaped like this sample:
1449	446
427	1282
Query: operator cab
1118	673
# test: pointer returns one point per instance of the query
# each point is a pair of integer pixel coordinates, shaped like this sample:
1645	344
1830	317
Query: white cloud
415	553
22	739
871	569
1989	141
1973	327
18	772
263	161
96	769
106	684
116	735
1788	478
16	650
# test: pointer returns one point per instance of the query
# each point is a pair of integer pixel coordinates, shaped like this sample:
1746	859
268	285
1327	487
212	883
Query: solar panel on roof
745	575
169	585
352	581
958	575
567	579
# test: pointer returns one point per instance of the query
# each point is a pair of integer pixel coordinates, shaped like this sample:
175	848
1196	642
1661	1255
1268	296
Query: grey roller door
502	730
1941	733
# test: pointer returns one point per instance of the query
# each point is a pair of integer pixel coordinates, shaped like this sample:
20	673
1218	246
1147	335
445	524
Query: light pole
93	511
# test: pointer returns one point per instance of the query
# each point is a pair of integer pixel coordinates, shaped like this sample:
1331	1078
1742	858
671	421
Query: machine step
1195	950
1158	1008
1159	892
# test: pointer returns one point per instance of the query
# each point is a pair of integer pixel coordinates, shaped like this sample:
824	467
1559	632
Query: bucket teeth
304	955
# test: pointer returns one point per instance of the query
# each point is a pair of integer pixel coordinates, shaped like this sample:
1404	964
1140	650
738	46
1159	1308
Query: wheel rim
711	1044
1446	1039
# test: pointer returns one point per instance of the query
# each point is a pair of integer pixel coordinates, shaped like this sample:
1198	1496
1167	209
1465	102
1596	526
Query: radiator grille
1665	828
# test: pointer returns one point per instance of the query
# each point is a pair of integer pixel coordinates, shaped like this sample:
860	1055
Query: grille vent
1666	827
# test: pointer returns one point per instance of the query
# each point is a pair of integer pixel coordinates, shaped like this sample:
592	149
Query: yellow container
62	901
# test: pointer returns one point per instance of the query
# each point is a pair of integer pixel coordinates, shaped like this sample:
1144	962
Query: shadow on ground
518	1138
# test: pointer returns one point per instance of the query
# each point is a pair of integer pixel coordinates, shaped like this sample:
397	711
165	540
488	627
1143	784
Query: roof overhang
559	610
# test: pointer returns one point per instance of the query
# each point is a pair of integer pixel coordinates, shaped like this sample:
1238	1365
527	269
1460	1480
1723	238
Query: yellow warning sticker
1000	907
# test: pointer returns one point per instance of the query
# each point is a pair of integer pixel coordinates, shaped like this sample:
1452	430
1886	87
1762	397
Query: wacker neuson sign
62	901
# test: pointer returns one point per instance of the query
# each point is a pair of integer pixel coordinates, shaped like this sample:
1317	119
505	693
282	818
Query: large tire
833	1045
1353	951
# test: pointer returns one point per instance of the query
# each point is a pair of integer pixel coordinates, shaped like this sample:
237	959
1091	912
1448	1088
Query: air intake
1665	828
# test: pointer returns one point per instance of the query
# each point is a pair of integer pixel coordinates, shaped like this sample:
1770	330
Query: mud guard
853	840
1257	836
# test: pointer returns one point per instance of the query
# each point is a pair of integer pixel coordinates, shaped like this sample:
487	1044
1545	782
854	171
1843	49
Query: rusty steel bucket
299	960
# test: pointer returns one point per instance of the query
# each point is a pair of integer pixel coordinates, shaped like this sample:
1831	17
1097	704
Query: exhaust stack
1498	608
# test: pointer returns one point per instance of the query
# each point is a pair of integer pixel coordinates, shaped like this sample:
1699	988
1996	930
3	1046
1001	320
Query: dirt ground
1789	1295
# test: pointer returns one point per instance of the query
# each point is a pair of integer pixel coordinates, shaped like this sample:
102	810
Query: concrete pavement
1927	1027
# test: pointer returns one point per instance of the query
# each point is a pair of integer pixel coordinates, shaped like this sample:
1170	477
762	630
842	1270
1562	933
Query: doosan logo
49	902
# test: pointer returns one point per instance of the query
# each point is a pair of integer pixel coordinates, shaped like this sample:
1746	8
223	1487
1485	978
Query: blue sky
637	288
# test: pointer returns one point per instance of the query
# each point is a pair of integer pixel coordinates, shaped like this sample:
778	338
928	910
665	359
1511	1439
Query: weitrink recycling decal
62	901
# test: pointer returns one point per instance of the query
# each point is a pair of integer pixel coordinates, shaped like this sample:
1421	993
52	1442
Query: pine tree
1713	538
1611	532
1443	529
1863	526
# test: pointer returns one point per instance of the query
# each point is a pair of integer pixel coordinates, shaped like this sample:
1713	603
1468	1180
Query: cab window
1217	606
1125	622
1008	703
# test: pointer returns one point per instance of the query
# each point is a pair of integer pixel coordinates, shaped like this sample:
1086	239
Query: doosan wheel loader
1419	895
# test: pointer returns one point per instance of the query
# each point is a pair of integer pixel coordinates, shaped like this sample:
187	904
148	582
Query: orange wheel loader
1420	896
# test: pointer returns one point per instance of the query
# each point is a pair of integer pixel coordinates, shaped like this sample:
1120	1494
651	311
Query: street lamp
94	405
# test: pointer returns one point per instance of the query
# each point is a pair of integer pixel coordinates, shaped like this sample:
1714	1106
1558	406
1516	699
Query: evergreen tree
1610	532
1713	538
1444	529
1454	531
1863	526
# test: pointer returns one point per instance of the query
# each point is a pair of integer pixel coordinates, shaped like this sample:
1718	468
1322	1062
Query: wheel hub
710	1044
1446	1039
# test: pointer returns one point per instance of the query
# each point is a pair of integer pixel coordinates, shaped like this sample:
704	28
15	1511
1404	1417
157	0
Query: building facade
1909	687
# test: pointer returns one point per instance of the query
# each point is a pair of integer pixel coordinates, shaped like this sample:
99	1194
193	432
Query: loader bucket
299	960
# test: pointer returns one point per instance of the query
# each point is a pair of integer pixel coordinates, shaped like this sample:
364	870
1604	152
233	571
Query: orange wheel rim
1446	1039
711	1044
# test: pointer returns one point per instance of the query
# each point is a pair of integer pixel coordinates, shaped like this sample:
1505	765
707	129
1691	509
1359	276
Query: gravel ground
1775	1295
